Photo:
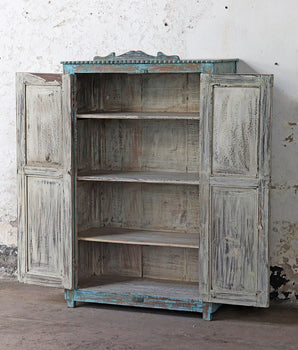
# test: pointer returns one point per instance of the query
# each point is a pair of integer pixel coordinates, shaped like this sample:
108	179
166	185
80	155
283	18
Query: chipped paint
140	300
8	261
284	265
284	187
290	138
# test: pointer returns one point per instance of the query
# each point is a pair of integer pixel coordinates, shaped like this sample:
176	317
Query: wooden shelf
140	237
139	286
141	177
139	115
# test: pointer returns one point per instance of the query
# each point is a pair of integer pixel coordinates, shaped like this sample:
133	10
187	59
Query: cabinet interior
137	190
119	92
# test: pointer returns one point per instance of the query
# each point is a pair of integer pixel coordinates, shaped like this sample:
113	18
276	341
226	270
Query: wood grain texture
138	145
44	175
235	145
170	263
44	235
68	244
163	262
235	122
234	239
122	260
151	207
90	260
43	140
172	208
138	92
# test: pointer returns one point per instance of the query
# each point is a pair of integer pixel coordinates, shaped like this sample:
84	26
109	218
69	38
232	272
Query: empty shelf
140	115
145	177
139	286
140	237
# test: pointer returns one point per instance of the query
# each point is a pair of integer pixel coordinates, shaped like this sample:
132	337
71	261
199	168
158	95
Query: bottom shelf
148	293
141	286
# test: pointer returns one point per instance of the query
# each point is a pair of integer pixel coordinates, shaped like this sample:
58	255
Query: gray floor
37	318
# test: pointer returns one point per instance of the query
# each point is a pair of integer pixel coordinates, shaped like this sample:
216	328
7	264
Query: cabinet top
140	62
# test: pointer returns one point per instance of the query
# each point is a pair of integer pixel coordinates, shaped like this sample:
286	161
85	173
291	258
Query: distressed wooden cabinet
144	181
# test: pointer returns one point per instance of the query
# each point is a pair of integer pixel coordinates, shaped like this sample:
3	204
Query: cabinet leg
69	297
208	309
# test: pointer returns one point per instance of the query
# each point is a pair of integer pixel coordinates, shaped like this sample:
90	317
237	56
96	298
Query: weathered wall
35	35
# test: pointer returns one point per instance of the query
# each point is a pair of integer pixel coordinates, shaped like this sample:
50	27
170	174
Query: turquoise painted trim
209	309
136	61
203	67
139	300
68	295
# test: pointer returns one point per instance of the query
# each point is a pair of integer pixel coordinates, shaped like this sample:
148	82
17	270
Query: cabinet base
149	301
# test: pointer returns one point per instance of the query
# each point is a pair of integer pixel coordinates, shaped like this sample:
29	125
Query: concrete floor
37	318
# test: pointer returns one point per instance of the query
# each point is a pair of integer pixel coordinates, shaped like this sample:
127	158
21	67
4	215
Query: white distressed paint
36	35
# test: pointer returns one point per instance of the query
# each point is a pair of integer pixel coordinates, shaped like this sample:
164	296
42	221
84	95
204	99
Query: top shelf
139	115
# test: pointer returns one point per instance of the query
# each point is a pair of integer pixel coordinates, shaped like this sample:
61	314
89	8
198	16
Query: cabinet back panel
169	92
170	263
151	207
138	206
165	263
138	145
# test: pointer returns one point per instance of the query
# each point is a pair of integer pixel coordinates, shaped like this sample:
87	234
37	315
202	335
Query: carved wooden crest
136	56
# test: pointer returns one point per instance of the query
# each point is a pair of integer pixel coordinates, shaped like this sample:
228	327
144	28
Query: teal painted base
95	296
69	297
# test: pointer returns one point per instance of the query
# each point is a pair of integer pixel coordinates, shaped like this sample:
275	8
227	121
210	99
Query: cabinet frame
135	63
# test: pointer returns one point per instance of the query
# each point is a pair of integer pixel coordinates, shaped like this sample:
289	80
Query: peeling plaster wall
36	35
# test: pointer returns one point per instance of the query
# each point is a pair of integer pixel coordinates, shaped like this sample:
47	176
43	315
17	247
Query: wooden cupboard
144	181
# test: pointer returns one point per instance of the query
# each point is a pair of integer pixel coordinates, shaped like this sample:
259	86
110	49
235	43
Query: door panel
235	122
45	212
44	226
234	188
234	239
43	141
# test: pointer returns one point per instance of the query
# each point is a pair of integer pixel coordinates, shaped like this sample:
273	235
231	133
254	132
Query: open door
45	214
234	188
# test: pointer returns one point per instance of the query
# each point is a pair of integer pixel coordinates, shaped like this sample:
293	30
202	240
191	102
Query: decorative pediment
137	56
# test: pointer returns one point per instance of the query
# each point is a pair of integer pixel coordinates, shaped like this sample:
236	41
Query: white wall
35	35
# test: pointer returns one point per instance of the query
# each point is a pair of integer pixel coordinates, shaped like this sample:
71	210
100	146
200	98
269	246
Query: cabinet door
234	188
45	225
